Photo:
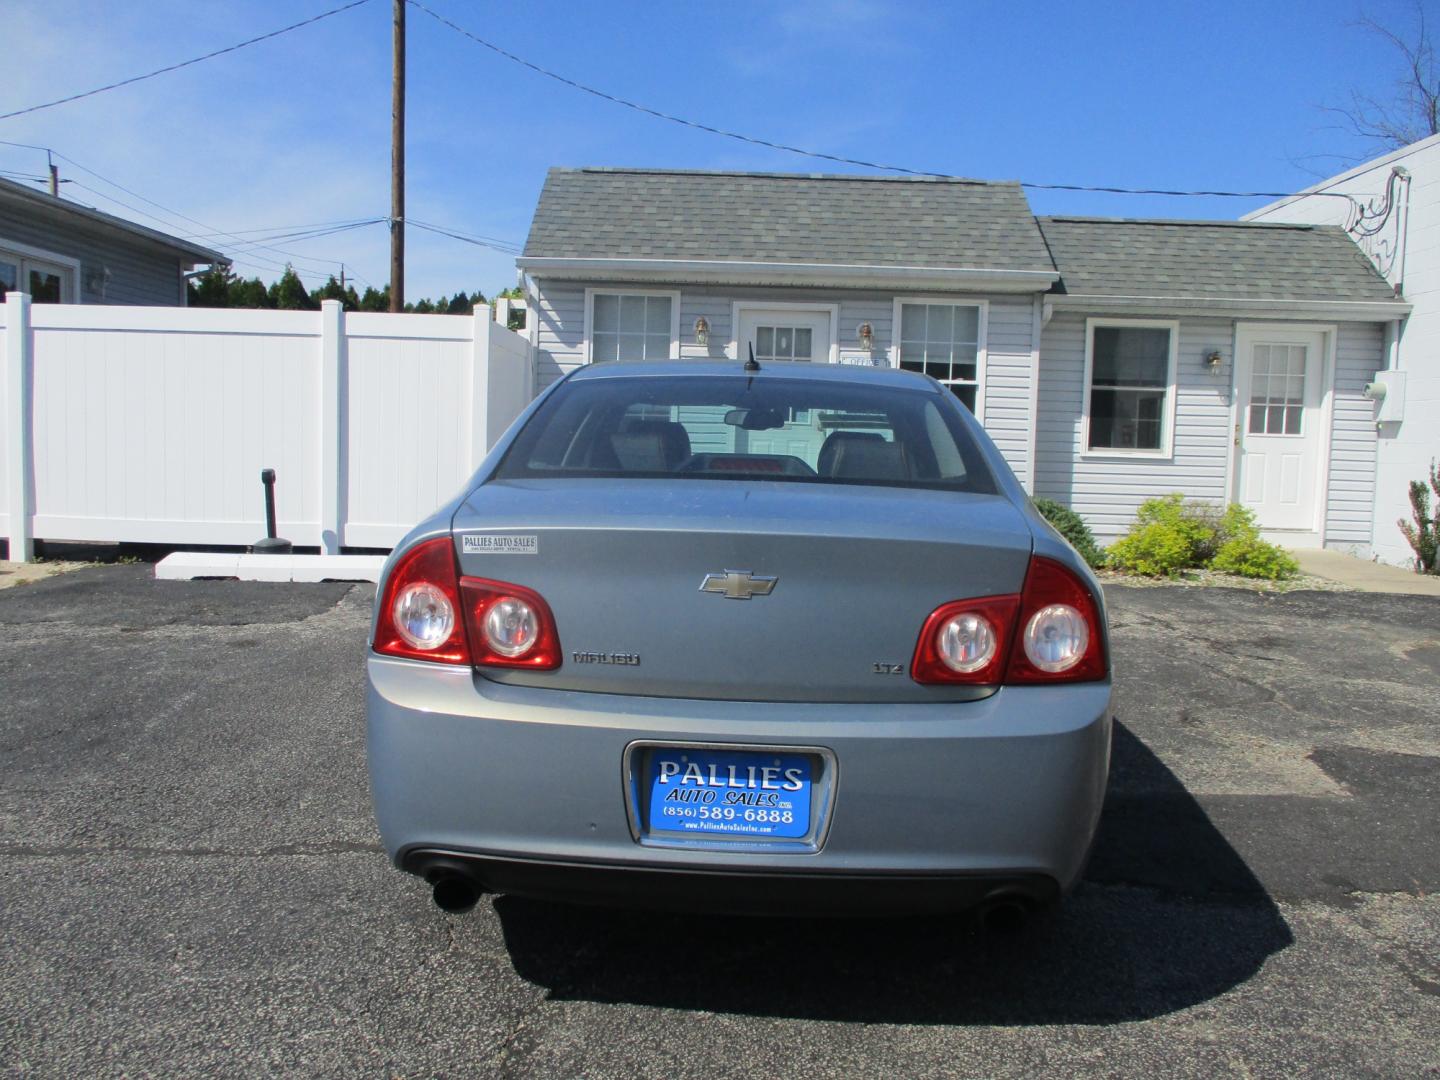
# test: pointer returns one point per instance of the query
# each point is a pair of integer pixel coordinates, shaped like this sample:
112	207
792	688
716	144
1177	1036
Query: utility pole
54	175
397	166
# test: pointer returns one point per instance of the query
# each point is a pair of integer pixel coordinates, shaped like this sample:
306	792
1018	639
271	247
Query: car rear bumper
730	891
933	805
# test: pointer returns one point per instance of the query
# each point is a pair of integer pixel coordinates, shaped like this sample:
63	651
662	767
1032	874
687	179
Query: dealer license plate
729	793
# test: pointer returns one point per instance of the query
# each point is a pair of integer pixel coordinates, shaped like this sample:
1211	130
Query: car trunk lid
645	578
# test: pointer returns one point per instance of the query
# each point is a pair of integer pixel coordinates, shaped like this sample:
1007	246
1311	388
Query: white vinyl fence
152	424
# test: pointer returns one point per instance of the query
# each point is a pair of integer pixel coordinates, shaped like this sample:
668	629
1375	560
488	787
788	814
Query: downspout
1034	421
1040	312
531	291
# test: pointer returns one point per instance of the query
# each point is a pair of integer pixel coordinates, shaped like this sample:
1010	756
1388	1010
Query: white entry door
1280	387
784	334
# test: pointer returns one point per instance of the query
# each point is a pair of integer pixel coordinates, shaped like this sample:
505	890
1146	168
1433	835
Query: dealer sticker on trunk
492	544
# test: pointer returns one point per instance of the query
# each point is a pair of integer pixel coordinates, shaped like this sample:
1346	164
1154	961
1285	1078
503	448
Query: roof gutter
1229	307
733	272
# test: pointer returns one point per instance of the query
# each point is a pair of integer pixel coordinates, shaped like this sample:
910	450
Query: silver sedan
713	638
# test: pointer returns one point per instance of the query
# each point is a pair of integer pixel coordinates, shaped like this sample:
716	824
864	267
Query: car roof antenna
751	365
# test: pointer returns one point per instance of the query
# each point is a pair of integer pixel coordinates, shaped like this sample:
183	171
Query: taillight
1049	633
965	641
420	612
1058	634
431	613
509	625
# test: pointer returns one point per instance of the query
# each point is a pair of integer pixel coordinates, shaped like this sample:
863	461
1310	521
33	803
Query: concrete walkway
1364	575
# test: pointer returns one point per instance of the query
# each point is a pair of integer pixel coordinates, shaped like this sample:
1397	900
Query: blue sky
295	130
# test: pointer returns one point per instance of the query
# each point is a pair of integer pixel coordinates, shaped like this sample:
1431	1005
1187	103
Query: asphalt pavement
191	882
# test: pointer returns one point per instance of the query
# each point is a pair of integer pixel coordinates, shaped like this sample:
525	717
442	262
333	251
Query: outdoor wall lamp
1212	360
867	336
702	331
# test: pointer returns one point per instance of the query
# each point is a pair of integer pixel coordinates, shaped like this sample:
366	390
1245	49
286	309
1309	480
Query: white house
1110	359
1393	207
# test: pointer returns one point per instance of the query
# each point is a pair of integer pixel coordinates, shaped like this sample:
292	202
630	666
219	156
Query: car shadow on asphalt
1168	916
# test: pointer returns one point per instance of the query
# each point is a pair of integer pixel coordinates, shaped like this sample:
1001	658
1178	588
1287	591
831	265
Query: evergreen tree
220	287
375	299
331	290
249	294
212	288
290	294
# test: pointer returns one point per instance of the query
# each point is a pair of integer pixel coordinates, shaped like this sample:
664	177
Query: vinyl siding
559	312
1006	381
1106	492
1006	410
111	271
1349	510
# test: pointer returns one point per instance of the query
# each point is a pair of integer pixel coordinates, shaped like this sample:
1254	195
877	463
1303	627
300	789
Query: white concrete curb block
188	565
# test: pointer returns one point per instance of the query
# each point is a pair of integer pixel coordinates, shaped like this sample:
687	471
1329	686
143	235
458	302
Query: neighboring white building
1396	219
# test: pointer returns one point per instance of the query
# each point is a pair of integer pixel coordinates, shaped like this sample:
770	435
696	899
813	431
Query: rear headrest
674	439
830	450
868	460
639	453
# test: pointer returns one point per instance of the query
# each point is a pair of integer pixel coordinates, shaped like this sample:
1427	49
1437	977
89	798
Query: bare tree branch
1411	112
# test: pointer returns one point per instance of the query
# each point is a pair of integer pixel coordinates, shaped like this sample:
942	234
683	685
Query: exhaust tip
1006	914
453	887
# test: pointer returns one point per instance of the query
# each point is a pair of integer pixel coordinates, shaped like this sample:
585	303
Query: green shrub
1241	551
1201	523
1252	557
1170	535
1072	526
1238	523
1424	534
1154	549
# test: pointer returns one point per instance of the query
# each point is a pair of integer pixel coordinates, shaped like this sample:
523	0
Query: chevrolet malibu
710	637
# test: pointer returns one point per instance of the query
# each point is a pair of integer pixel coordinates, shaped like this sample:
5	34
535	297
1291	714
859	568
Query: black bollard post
267	477
271	544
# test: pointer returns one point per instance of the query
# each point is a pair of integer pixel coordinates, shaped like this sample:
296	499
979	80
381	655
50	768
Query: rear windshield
722	428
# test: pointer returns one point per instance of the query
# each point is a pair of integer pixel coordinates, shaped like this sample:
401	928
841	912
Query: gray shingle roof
785	218
1210	259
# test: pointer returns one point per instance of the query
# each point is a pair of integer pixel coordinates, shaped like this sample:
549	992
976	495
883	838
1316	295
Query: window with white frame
943	341
631	326
47	281
1131	386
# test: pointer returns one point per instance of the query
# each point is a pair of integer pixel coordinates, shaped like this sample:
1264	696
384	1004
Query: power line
256	260
175	214
315	280
245	249
461	234
184	63
839	159
500	246
656	112
272	228
243	253
310	234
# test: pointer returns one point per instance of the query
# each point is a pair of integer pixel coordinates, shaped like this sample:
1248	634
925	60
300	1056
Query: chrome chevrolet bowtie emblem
738	584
